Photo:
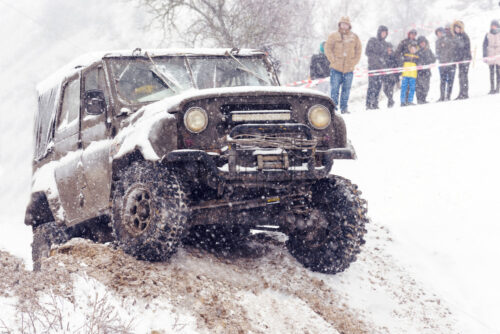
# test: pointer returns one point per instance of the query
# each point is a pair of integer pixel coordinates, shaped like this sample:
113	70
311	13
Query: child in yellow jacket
410	60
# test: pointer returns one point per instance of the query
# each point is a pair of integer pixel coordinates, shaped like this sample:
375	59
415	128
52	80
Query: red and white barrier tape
385	71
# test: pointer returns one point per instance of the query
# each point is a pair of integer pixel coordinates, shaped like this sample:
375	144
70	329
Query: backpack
320	66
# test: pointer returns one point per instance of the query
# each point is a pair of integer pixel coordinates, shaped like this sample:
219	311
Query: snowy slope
430	174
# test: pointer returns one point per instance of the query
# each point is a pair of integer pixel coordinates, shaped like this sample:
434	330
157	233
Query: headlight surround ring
319	116
195	120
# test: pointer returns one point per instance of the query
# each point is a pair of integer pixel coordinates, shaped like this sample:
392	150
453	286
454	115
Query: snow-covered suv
148	148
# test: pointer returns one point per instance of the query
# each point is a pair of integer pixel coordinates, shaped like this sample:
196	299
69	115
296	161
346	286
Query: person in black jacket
445	51
376	51
425	57
404	45
320	66
390	80
491	53
462	53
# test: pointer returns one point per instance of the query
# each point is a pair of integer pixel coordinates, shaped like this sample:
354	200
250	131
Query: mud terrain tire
44	236
149	211
333	233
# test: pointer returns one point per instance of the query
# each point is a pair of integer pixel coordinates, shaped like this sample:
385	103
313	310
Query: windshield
217	72
143	80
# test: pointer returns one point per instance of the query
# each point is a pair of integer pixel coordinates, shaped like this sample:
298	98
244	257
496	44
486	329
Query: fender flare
125	160
38	211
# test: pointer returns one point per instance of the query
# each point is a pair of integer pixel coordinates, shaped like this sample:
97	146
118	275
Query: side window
94	80
70	108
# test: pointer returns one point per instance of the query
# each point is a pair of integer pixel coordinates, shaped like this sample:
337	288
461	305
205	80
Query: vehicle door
95	142
68	169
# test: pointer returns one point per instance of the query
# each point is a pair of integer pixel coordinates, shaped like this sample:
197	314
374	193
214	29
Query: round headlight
196	119
319	116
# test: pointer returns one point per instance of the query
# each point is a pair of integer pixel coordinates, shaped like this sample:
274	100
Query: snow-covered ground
429	173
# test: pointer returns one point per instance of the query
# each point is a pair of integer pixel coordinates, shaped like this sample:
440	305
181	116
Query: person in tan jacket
343	50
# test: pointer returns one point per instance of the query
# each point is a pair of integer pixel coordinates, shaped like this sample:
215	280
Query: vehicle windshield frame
153	62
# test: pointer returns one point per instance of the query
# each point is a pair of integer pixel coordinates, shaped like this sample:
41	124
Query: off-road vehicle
149	148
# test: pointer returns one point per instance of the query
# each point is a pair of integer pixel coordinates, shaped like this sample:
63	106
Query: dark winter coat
392	62
445	48
425	57
320	66
462	47
376	50
403	48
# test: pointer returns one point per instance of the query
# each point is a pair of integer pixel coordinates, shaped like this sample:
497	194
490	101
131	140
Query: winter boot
492	80
498	79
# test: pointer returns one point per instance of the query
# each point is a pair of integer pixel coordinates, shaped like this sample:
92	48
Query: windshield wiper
242	67
167	79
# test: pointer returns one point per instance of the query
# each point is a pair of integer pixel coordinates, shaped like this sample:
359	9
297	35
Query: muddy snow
260	290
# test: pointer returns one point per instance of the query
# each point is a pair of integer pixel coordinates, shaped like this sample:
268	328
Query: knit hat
495	23
413	31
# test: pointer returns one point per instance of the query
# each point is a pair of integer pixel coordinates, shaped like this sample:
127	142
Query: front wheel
149	211
330	237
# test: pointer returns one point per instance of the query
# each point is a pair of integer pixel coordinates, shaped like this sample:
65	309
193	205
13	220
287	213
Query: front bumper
265	153
218	168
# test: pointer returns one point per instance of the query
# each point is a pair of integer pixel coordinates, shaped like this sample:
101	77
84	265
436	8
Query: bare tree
233	23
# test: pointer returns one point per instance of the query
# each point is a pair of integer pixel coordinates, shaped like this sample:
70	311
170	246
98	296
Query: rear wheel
330	237
149	211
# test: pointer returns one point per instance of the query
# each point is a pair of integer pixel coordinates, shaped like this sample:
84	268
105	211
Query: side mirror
94	102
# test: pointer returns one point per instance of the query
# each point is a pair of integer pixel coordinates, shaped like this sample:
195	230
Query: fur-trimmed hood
457	24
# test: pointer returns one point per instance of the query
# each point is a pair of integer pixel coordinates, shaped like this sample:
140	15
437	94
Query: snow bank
430	174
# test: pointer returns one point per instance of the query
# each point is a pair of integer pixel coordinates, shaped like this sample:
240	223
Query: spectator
425	57
390	80
462	53
445	51
491	48
376	51
404	44
343	50
320	67
403	48
410	60
439	33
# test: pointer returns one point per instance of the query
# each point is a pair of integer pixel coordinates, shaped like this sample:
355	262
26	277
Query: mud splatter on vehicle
154	148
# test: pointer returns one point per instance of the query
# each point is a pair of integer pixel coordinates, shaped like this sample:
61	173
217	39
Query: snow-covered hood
173	104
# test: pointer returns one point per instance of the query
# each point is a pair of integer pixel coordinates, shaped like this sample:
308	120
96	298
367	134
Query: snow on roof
91	58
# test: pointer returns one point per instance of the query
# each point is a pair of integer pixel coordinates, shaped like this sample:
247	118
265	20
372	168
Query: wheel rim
137	209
